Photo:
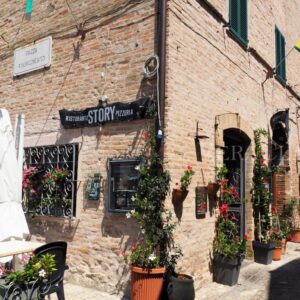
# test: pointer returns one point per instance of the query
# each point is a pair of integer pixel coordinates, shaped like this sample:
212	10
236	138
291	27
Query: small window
238	19
124	177
280	55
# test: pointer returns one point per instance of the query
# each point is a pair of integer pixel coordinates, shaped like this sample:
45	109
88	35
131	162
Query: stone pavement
277	281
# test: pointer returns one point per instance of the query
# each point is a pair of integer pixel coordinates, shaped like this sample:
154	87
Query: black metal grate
57	200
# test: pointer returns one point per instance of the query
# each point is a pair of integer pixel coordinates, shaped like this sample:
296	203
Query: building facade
225	76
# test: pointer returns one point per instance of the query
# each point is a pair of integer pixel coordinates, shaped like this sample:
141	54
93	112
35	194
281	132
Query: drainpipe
161	33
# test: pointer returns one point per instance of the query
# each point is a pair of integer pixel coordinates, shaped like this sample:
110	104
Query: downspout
161	45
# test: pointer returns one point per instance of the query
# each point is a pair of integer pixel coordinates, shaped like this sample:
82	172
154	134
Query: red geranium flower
146	135
190	168
224	208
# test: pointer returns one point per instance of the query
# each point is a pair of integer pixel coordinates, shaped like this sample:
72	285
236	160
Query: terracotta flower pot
295	235
277	253
179	195
283	243
146	284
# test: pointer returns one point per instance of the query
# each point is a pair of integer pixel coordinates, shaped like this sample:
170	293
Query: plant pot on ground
263	252
261	198
146	283
181	287
226	270
289	219
295	235
277	253
228	248
150	256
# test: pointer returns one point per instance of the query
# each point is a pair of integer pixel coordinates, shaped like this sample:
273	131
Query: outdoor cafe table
17	247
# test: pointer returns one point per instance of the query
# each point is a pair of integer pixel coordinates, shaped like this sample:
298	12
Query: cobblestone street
272	282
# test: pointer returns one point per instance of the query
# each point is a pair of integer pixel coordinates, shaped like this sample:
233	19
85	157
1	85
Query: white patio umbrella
12	219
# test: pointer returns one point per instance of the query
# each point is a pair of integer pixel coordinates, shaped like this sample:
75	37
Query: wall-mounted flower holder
212	188
179	195
200	201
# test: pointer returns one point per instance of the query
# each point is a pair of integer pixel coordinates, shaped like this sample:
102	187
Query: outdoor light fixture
159	135
280	127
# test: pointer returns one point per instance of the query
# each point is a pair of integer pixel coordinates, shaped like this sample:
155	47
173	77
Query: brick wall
209	74
109	61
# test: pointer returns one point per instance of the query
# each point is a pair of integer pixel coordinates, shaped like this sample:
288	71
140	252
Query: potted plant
179	194
213	187
290	213
150	257
228	249
276	236
36	270
181	286
261	198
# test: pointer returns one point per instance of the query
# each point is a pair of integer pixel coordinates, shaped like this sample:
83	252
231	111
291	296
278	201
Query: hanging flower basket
212	188
179	195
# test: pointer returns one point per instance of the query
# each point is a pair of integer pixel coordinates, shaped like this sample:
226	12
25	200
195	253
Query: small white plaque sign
33	57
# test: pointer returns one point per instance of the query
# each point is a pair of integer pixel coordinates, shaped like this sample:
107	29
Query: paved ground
277	281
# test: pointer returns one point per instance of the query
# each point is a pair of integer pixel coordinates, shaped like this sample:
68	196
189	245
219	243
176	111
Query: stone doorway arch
233	124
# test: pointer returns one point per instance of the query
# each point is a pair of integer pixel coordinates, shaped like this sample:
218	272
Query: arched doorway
236	143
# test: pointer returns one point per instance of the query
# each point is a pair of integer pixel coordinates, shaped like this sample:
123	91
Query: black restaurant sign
99	115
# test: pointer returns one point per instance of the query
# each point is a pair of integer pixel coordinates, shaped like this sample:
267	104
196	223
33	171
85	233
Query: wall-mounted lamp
103	101
197	142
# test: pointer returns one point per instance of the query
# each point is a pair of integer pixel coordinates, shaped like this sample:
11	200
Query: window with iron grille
280	55
49	180
238	20
123	182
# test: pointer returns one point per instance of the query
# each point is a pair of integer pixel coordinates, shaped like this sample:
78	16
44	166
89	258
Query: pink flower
122	253
32	191
190	168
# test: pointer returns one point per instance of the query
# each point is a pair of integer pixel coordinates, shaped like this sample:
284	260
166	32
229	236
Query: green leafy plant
290	213
186	178
155	245
227	241
276	236
39	266
261	196
52	176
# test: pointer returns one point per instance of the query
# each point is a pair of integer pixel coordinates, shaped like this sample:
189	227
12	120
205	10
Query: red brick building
216	75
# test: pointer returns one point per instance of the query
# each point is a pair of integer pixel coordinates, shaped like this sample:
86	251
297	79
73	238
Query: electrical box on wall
93	187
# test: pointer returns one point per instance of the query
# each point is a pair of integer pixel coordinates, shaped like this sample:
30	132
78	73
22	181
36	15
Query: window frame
137	161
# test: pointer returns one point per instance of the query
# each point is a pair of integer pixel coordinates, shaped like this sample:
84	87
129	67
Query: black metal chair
56	280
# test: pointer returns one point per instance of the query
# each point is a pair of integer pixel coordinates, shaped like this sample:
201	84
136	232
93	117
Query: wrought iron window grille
54	194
